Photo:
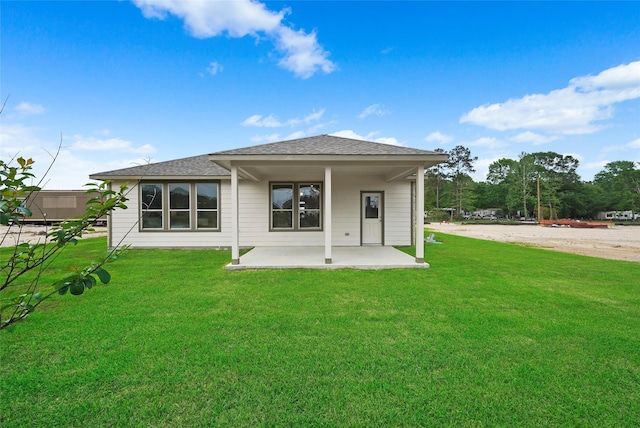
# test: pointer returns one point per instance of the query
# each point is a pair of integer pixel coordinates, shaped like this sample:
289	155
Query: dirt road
618	242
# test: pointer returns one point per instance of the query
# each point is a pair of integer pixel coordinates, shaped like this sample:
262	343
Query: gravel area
34	234
617	242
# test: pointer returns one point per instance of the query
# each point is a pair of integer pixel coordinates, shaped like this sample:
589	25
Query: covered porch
368	197
341	255
362	258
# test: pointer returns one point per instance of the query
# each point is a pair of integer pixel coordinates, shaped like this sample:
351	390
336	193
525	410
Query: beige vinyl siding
254	212
397	201
121	223
254	216
346	209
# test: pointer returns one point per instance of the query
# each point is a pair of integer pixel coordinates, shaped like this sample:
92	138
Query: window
296	206
179	212
371	207
282	206
309	204
151	204
179	206
207	206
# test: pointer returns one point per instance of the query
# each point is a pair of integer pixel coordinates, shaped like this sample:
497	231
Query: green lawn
492	334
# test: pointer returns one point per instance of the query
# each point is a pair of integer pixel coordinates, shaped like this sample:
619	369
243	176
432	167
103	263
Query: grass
493	334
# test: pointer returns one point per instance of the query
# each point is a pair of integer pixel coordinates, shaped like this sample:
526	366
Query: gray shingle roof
191	166
202	165
325	145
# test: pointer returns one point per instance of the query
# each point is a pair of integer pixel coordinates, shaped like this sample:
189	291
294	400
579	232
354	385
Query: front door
372	218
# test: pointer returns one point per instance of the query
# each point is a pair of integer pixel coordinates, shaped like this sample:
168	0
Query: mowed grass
493	334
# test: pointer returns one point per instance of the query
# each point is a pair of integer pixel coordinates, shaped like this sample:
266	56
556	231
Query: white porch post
420	214
235	240
328	229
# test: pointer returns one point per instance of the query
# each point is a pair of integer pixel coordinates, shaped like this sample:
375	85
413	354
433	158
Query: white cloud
348	133
632	145
265	138
109	144
318	126
386	50
438	137
28	109
16	138
635	144
482	168
594	166
295	135
262	122
389	140
272	122
570	110
302	54
311	117
533	138
214	68
77	158
488	142
373	109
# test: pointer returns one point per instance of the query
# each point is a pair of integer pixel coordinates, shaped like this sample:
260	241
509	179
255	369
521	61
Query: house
323	191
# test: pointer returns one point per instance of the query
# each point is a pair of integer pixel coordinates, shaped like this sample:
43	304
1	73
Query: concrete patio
364	258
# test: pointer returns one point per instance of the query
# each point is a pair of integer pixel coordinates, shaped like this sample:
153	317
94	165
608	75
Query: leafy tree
582	200
434	179
556	173
525	183
23	265
460	165
620	181
503	179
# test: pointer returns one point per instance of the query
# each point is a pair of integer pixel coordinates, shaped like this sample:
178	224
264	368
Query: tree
24	264
503	180
526	181
460	165
556	173
436	172
620	181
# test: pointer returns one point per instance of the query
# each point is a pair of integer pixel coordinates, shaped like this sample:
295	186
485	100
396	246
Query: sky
115	84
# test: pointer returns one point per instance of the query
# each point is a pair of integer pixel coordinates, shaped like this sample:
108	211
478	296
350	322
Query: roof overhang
158	177
392	167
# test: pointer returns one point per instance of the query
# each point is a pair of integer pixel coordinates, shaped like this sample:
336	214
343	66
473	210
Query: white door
372	218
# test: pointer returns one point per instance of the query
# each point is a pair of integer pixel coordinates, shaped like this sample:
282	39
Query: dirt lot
34	234
617	242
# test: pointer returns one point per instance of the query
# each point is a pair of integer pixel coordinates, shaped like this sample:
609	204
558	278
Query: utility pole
539	207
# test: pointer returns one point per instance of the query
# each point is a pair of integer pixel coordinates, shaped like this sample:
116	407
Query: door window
371	206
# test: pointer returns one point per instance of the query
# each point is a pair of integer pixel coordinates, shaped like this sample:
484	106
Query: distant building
52	206
617	215
484	214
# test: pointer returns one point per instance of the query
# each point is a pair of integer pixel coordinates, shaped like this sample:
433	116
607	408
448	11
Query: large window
296	206
151	205
180	206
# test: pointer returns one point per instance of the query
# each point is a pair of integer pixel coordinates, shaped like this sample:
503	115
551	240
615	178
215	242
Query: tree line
516	187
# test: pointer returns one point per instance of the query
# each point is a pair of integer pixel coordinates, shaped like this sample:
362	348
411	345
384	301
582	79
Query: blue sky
122	82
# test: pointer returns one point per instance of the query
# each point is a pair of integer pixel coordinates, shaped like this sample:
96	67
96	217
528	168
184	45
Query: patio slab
364	258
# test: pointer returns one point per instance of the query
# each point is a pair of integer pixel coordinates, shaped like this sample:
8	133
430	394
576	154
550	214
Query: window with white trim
180	206
296	206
